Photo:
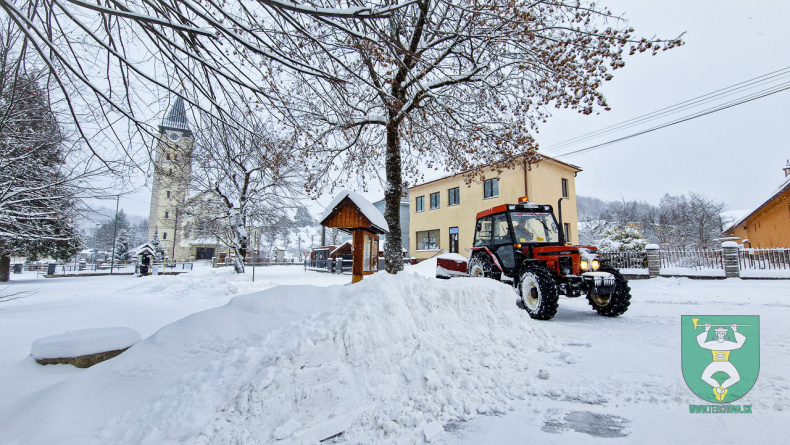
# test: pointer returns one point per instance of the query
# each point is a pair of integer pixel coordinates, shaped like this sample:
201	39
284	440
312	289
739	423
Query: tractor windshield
529	227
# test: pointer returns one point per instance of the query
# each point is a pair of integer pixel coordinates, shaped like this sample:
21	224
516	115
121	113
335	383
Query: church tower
172	169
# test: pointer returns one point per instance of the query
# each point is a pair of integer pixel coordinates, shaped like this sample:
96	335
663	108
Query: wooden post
357	251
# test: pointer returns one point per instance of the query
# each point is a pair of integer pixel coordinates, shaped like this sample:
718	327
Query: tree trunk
239	238
5	268
393	253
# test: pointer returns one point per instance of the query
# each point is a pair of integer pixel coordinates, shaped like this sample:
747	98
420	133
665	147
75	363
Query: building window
167	214
168	193
490	188
170	172
428	240
567	232
454	197
419	204
435	200
164	235
564	188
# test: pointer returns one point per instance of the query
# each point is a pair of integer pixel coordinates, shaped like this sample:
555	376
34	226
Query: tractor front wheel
482	266
617	302
538	293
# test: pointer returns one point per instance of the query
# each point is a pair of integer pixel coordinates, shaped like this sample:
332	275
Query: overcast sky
735	155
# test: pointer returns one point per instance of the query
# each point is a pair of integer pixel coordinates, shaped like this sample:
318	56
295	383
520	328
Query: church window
164	235
167	214
168	193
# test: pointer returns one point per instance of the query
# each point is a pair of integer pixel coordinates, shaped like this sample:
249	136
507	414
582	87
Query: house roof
782	188
575	168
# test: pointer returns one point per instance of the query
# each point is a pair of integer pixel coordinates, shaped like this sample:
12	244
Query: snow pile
425	268
84	342
203	283
388	360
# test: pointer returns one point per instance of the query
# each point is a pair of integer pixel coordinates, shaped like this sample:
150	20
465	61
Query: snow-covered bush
622	239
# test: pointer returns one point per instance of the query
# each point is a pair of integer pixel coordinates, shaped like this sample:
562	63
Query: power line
731	90
760	95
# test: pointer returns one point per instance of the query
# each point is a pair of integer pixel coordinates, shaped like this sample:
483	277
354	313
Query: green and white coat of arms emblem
720	355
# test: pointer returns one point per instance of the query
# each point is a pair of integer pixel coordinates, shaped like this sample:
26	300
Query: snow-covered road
390	360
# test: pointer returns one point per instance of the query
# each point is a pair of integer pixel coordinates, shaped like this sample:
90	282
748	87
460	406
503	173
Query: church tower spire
172	170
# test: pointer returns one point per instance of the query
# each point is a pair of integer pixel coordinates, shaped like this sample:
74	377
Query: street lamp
95	236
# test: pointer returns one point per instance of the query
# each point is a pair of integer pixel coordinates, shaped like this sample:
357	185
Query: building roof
575	168
363	205
176	118
340	247
144	248
782	188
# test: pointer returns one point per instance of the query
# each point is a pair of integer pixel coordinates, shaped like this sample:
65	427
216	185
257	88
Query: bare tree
111	60
442	84
250	177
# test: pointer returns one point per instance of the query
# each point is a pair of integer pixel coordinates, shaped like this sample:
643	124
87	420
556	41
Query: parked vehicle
523	245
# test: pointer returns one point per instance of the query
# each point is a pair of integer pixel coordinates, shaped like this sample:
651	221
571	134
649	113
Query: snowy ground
389	360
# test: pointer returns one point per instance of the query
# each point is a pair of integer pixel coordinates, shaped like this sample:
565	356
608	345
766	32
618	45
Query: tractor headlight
596	264
585	265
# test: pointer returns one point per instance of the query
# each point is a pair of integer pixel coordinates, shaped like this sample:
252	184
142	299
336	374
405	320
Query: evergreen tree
157	245
37	203
123	247
303	217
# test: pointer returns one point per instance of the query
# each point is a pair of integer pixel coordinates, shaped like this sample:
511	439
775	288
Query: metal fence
764	259
703	259
625	260
331	265
696	259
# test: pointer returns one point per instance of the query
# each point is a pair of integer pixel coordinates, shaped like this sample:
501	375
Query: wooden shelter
353	214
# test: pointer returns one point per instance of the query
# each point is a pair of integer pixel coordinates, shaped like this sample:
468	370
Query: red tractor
522	244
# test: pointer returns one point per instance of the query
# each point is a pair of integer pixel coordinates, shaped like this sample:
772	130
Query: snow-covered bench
84	348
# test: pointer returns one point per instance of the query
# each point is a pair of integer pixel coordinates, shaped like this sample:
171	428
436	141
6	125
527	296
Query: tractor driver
521	231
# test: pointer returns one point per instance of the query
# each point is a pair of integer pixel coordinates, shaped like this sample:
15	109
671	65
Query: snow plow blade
450	265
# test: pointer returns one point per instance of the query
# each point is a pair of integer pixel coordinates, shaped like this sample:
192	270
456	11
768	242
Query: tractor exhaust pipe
561	228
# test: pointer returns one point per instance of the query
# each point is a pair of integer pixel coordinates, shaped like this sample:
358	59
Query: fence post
653	261
729	250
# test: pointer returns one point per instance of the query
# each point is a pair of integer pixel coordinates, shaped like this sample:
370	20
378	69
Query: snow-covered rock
84	342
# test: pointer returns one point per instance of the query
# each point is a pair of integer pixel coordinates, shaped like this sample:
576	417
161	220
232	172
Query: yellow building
442	212
769	224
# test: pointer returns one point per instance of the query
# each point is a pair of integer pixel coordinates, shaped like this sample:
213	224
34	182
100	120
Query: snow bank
84	342
203	283
386	360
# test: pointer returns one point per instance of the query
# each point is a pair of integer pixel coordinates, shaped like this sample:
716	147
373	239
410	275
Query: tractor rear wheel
617	302
538	293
